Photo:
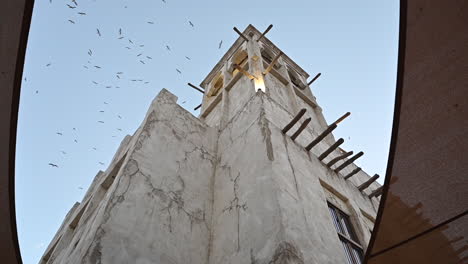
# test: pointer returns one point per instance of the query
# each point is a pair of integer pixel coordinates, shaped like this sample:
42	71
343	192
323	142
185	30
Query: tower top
249	32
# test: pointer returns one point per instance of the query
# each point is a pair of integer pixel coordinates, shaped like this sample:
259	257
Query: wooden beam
330	149
315	78
376	192
301	128
196	108
342	118
294	121
268	69
264	33
240	34
352	173
240	69
196	88
351	160
366	184
321	136
335	160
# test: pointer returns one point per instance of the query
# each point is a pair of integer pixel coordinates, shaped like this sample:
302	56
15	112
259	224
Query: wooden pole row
321	136
330	149
301	128
315	78
335	160
240	34
294	121
351	174
376	192
264	33
351	160
196	88
366	184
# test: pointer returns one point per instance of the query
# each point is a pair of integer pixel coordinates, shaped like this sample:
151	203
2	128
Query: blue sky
352	43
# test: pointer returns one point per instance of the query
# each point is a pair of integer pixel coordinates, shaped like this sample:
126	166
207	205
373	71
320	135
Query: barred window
347	235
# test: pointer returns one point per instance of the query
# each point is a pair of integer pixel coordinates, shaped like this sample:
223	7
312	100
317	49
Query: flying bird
220	44
108	87
114	136
53	165
191	24
119	129
76	141
150	22
129	40
121	37
101	163
102	111
71	21
142	61
178	71
127	47
74	128
183	102
118	76
139	55
63	152
98	67
98	32
48	64
120	73
74	1
95	82
85	66
37	91
168	48
101	122
81	13
90	52
70	6
119	117
187	58
141	46
146	82
58	133
120	31
94	148
164	1
149	57
81	188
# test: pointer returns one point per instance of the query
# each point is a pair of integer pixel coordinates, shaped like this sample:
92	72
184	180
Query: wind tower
257	178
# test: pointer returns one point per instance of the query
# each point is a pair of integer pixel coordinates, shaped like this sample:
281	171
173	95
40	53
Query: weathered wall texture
228	187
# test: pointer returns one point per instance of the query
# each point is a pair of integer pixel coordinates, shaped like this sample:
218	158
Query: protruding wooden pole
366	184
342	118
351	174
264	33
196	88
335	160
294	121
268	69
301	128
376	192
331	148
351	160
196	108
315	78
321	136
239	68
240	34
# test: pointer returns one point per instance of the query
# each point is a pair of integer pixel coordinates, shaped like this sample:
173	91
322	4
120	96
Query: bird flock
77	14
